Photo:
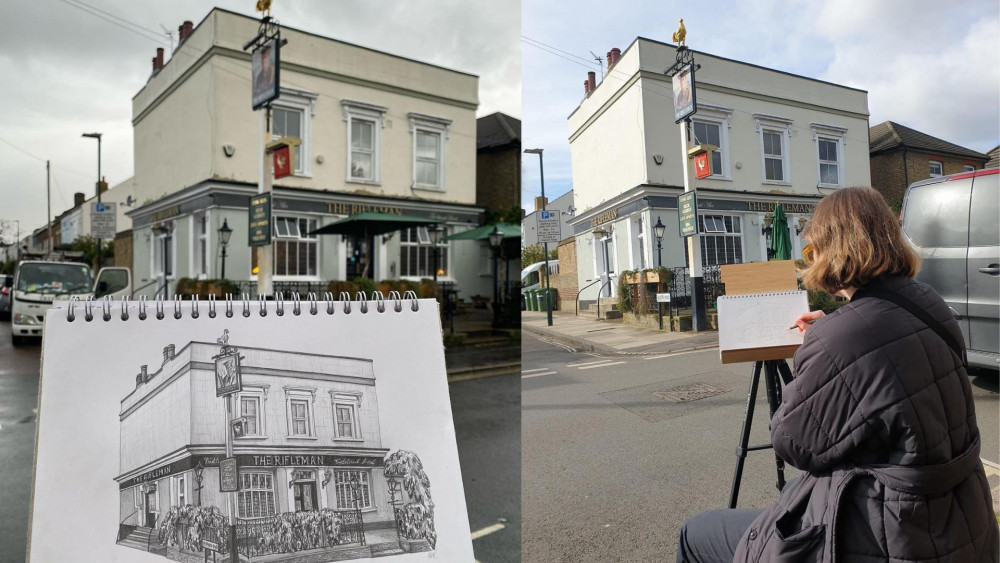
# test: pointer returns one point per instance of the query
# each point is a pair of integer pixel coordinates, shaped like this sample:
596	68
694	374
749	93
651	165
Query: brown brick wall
498	178
123	249
890	178
566	282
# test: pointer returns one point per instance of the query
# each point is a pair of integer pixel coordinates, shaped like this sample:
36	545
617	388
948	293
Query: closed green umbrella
780	242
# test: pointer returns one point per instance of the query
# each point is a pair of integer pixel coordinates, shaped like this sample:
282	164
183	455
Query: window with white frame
968	168
178	491
344	484
711	126
291	117
163	246
640	242
773	133
936	168
199	244
364	140
250	404
346	408
296	252
429	136
299	410
255	498
829	141
721	239
416	253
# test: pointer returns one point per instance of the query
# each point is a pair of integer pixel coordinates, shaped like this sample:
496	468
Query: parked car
8	282
952	223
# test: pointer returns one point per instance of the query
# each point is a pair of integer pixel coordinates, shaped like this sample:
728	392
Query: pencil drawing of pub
275	454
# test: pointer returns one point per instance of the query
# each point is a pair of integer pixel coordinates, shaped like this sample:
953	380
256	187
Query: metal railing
599	292
125	529
278	534
576	310
680	286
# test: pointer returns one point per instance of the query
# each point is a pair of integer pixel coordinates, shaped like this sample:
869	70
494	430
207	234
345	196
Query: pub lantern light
659	228
225	232
766	229
496	237
802	225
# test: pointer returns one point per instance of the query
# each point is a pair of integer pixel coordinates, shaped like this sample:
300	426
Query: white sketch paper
296	438
758	320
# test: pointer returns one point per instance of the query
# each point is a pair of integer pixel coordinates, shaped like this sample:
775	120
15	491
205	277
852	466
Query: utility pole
48	212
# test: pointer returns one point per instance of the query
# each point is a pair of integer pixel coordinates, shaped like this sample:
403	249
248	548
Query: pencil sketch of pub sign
275	454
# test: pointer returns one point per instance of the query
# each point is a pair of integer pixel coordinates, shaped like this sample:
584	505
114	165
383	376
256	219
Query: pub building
311	428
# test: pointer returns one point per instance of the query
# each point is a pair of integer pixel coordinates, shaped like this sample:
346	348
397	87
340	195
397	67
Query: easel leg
773	386
741	450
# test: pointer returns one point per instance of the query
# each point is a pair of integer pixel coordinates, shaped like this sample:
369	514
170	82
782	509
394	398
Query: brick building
566	283
900	156
498	162
994	155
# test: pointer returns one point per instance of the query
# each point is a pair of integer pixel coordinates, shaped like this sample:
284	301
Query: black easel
773	370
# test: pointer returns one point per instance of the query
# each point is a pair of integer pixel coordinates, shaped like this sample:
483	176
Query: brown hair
856	238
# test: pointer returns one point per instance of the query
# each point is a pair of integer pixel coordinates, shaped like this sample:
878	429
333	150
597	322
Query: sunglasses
808	253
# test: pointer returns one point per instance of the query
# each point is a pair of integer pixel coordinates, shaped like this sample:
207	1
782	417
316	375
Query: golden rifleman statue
264	7
679	35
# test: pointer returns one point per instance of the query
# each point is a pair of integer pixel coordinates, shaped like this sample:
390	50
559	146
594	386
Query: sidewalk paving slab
613	337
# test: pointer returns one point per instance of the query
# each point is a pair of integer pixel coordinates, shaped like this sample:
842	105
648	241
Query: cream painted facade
198	154
627	168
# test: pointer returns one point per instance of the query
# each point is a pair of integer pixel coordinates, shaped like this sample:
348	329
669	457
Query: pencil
807	322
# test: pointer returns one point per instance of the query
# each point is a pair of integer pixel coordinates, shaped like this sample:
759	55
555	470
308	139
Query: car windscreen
55	279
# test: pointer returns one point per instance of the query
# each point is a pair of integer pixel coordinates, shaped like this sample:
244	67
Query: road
610	471
18	399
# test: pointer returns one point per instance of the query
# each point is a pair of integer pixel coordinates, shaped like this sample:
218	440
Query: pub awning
483	232
371	223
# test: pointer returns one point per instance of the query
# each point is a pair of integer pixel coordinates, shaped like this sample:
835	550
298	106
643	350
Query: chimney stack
143	374
183	31
158	60
78	199
592	80
168	353
102	186
615	56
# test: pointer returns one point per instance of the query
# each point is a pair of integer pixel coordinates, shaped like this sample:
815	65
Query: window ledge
427	188
717	177
831	186
775	183
363	181
348	439
251	438
301	437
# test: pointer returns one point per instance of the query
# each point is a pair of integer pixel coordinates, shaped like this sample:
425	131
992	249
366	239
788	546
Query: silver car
952	223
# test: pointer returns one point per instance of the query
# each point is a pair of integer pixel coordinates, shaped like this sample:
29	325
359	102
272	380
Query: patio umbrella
780	243
483	232
371	223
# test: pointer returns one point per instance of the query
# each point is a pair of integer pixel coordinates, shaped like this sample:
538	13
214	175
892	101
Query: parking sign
549	227
103	220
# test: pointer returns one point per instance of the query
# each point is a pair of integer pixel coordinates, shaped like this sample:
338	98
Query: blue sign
545	214
100	208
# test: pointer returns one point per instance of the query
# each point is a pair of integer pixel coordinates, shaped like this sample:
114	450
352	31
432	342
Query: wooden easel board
759	277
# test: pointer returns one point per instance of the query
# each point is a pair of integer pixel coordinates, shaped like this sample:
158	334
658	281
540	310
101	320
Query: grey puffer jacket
881	417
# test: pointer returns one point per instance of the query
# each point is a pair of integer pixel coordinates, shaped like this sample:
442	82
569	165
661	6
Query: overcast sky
933	66
69	70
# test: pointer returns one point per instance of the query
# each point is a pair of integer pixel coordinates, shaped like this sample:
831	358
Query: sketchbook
287	430
760	320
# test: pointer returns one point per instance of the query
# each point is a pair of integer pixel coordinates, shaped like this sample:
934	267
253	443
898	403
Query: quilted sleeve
820	422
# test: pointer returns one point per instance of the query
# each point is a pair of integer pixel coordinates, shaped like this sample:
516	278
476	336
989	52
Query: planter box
651	277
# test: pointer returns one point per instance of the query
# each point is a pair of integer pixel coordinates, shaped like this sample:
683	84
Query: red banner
701	166
282	163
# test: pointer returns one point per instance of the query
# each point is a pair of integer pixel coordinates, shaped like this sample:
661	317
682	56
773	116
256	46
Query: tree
416	518
536	253
88	245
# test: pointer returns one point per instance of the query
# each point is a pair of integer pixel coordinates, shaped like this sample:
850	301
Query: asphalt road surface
610	469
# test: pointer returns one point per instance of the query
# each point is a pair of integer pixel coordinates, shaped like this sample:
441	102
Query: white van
531	277
37	283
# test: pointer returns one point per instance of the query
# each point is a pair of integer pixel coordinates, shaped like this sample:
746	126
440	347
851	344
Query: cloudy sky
72	66
933	66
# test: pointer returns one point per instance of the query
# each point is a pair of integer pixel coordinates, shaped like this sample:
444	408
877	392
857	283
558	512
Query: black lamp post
658	229
766	230
199	471
548	284
435	232
98	137
496	239
224	233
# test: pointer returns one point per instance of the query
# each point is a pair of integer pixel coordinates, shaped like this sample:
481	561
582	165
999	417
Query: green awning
372	223
483	232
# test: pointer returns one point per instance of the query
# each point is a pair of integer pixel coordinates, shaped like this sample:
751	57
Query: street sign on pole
687	213
663	298
229	474
103	220
260	220
549	226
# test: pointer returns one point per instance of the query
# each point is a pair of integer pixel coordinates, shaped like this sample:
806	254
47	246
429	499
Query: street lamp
435	232
224	233
766	230
199	471
658	229
98	137
496	239
548	284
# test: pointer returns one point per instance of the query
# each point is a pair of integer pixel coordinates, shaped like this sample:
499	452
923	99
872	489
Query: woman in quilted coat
879	416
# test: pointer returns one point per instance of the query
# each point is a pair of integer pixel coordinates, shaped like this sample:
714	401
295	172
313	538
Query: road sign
687	213
663	298
549	226
210	545
103	220
229	475
260	220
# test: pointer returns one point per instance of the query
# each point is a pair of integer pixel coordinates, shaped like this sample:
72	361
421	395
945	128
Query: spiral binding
764	294
142	304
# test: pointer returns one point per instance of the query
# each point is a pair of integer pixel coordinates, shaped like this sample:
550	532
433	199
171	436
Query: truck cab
37	284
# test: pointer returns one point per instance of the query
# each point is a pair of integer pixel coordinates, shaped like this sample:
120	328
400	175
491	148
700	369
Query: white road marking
681	353
487	531
539	374
991	467
578	364
601	365
556	343
533	370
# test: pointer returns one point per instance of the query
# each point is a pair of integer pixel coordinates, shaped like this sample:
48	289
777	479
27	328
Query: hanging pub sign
228	378
265	81
702	168
684	95
229	475
260	220
282	162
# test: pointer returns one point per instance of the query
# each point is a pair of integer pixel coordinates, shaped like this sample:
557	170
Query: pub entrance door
305	496
150	507
360	257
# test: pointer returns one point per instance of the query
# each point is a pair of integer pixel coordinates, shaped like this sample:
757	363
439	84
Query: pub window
416	254
200	245
722	241
179	492
163	245
710	133
429	136
364	141
299	410
250	403
300	418
256	495
345	493
345	416
295	250
773	133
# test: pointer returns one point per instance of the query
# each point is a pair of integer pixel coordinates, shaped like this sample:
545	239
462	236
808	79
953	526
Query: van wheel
17	340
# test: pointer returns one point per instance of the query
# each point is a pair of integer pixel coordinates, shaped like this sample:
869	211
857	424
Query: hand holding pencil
803	322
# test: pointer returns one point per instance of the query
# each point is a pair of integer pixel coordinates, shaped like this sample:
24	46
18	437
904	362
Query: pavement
479	350
587	333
